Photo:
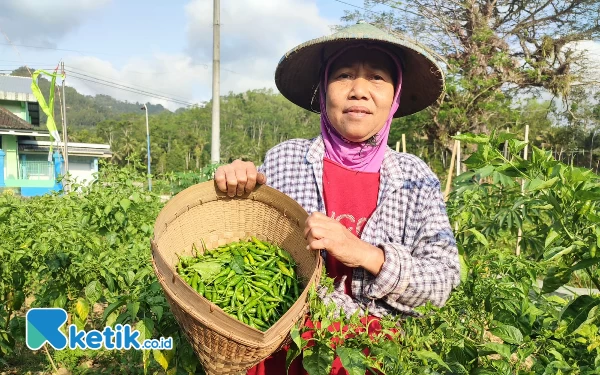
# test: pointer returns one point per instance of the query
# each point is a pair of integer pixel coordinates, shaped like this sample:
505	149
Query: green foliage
496	322
251	123
557	211
88	251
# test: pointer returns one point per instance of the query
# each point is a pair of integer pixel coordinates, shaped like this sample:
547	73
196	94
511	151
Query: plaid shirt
410	225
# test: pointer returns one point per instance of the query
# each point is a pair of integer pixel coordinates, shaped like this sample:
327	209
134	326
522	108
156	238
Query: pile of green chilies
253	281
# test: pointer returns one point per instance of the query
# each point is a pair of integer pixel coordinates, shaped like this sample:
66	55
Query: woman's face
360	92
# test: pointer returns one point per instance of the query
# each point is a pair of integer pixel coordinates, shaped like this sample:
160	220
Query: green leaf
125	203
552	235
207	270
464	269
542	207
158	311
146	327
164	357
80	324
515	146
480	237
60	301
508	334
107	209
93	291
588	195
556	252
82	308
18	300
292	353
472	138
318	359
576	313
353	360
425	355
133	308
462	354
237	264
502	137
111	308
295	335
585	264
492	347
485	171
555	278
502	179
458	369
538	184
120	217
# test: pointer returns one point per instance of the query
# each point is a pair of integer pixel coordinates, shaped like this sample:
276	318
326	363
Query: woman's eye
344	75
378	77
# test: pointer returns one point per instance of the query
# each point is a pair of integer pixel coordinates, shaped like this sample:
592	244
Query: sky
160	46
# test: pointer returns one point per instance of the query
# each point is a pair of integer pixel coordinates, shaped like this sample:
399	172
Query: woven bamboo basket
223	344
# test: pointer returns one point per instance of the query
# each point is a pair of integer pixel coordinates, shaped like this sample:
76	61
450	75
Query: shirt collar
391	173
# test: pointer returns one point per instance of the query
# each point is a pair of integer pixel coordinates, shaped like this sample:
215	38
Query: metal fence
37	170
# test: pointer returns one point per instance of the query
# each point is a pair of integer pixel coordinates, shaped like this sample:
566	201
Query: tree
493	50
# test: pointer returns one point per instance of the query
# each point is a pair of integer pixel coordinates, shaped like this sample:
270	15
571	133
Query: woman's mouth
356	111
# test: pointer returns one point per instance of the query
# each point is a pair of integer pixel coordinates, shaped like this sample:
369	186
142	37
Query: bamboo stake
506	146
520	231
398	146
458	158
403	142
450	172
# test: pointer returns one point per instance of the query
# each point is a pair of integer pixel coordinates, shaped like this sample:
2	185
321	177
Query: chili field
88	252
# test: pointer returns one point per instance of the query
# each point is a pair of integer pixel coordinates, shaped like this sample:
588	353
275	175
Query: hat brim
297	74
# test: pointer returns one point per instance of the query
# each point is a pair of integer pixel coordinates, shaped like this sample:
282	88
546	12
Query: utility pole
216	137
64	118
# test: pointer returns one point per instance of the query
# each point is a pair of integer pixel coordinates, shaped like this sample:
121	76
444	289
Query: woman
378	214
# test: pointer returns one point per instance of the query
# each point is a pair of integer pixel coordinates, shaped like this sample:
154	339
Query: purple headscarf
358	156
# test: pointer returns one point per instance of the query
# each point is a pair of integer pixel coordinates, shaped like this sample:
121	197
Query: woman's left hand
325	233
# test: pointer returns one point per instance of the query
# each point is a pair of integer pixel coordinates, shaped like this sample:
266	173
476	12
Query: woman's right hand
238	177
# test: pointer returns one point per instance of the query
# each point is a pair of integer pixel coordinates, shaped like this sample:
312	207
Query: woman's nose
359	89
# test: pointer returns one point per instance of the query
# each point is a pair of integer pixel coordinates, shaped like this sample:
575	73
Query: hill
87	110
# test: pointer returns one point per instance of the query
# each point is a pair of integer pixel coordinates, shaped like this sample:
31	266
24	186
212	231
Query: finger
317	219
315	233
242	179
261	178
252	176
318	244
319	215
220	179
309	224
231	180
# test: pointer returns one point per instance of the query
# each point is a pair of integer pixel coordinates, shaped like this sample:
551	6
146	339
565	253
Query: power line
59	49
135	91
379	13
356	6
127	87
134	86
22	62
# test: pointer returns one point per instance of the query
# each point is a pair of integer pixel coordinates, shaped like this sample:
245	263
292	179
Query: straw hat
297	74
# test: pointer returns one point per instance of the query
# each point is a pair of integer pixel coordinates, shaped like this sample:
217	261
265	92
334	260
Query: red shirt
350	198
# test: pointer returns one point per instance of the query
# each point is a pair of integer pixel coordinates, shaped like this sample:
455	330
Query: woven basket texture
223	344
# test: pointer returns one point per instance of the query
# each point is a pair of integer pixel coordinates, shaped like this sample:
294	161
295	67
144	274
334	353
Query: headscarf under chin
358	156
